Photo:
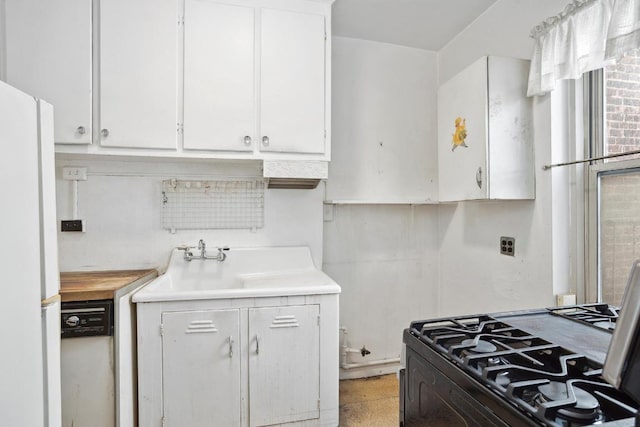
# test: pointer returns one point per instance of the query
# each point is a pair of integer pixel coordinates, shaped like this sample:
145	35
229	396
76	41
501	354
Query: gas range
537	367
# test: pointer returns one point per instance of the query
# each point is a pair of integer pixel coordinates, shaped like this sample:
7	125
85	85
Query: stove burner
481	346
586	408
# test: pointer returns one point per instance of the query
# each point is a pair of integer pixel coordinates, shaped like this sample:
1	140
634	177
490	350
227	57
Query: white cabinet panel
462	134
292	82
218	76
284	389
138	73
21	357
87	370
201	368
48	55
485	137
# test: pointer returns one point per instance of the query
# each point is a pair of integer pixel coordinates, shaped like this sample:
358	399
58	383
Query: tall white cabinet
485	132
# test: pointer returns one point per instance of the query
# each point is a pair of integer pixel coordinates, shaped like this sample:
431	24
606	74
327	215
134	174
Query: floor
370	402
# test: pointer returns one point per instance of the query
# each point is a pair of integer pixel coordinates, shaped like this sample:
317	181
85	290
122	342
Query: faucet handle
184	247
201	244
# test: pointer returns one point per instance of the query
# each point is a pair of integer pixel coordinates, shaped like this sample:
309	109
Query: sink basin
246	272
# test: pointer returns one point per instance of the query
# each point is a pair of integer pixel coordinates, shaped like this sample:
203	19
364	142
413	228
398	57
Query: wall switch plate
74	174
327	212
72	225
507	246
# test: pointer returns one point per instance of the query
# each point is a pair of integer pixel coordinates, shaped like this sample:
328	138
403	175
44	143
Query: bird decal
460	133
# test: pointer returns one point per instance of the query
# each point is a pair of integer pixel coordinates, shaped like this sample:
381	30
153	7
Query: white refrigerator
30	302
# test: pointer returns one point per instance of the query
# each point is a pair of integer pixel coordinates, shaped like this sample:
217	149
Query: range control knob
72	321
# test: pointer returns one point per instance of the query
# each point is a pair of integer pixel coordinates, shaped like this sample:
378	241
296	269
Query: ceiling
425	24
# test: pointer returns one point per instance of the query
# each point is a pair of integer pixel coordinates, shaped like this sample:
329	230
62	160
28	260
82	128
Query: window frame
594	110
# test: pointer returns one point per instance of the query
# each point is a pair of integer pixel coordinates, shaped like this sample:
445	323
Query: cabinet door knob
81	130
265	140
104	133
479	177
247	140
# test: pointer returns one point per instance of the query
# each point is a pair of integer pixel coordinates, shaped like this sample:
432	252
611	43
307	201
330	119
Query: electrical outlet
507	246
74	174
72	225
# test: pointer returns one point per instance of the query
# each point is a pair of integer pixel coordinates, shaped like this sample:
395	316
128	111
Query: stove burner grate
548	382
582	407
599	315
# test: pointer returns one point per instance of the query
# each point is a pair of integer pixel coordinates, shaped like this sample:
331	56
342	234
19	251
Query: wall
383	122
398	263
121	202
474	277
383	255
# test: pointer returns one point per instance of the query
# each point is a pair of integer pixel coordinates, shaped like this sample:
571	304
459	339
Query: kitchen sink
245	272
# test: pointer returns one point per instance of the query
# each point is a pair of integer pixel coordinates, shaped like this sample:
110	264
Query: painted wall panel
121	201
474	277
384	122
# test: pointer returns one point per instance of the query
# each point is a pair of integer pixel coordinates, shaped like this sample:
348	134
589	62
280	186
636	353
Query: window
614	183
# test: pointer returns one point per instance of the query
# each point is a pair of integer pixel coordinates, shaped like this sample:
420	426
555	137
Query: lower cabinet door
284	364
201	368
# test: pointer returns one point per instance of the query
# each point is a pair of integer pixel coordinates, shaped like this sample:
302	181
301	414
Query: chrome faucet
202	247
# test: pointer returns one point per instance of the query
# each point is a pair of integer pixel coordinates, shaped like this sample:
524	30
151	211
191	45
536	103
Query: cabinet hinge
325	35
318	404
318	320
161	330
163	421
180	21
180	128
325	134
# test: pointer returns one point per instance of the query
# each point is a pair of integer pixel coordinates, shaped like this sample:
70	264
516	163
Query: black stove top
544	363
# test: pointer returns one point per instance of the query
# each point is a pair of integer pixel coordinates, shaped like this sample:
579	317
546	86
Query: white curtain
570	44
624	28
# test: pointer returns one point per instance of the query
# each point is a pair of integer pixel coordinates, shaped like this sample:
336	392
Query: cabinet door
201	368
138	73
218	76
511	172
284	364
292	110
462	135
48	56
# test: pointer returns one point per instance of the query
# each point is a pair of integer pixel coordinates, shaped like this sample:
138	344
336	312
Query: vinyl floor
369	402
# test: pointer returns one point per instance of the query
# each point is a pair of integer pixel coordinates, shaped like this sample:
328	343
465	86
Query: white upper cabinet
485	133
243	79
48	55
237	58
292	82
219	95
138	73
